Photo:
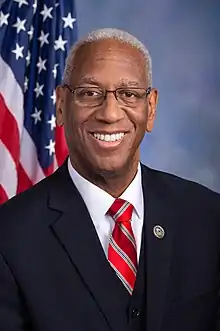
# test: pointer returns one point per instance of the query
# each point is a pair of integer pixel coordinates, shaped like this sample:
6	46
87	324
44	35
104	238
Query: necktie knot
121	211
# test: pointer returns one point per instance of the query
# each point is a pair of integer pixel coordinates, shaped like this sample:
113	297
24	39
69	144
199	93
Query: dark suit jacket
54	274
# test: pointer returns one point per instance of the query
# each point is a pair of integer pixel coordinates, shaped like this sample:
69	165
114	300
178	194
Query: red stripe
122	266
3	195
126	215
48	171
61	149
9	133
24	181
124	243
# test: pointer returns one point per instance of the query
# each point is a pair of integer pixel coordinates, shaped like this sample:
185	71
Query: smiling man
106	243
106	104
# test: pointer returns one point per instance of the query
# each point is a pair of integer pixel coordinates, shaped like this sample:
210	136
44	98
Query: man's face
106	64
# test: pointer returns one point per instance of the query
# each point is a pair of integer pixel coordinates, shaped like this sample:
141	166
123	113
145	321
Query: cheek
139	118
75	122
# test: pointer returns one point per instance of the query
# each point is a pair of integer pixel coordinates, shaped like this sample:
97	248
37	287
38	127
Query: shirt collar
98	201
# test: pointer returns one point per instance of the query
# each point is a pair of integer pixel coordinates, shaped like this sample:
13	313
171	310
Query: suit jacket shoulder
27	212
184	193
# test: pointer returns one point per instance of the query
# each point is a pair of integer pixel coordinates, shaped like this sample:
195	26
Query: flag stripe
8	173
3	195
32	59
29	160
12	94
60	147
9	125
24	181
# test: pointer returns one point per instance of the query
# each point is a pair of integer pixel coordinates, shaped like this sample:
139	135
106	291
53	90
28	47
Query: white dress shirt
98	203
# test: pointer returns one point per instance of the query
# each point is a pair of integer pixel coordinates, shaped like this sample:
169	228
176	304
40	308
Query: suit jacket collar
74	228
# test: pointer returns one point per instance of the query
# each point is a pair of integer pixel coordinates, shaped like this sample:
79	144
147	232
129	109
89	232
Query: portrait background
183	39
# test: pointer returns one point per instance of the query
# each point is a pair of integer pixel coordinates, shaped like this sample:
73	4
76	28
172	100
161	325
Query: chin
111	168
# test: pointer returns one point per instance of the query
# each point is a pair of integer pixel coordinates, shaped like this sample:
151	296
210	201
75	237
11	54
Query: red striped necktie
122	253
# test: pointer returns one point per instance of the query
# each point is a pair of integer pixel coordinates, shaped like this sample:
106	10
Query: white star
52	122
57	4
53	97
68	21
39	90
26	84
51	147
31	32
21	2
59	44
41	65
43	38
19	25
28	58
3	18
18	51
36	115
46	13
54	71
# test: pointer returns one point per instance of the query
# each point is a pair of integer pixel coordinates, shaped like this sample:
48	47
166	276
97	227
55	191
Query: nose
109	112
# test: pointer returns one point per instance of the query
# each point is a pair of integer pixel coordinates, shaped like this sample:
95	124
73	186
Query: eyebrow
89	80
126	83
122	82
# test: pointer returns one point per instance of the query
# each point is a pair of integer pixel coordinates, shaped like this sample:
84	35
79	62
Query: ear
152	107
59	105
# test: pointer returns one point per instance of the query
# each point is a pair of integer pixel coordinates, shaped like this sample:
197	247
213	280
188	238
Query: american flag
35	37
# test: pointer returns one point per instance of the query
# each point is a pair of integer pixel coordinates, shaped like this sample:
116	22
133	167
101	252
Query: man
106	243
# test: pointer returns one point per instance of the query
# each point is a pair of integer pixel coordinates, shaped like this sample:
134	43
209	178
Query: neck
114	183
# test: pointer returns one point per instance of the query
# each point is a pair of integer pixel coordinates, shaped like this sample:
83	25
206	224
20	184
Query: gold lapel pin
158	231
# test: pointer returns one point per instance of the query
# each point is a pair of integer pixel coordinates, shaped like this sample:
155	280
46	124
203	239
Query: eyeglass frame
72	90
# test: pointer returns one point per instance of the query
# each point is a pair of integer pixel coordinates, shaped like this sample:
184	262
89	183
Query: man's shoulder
22	214
180	188
27	199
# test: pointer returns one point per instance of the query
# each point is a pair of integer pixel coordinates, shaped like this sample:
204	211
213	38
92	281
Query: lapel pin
158	231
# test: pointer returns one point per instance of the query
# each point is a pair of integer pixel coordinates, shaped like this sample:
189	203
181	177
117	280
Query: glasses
95	96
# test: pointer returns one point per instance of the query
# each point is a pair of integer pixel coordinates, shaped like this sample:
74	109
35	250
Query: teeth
109	137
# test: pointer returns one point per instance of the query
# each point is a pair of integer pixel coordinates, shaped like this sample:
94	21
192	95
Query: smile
107	141
109	137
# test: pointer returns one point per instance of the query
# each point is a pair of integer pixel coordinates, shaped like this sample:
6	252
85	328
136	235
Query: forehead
109	61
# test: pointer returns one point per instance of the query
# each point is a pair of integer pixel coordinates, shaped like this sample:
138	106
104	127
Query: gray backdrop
183	37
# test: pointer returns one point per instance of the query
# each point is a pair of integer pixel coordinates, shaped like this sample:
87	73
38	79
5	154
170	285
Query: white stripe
13	97
55	163
122	279
121	210
28	158
123	255
12	94
127	234
8	172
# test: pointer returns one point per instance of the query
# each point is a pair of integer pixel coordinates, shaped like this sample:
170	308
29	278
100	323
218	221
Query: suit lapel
159	210
75	230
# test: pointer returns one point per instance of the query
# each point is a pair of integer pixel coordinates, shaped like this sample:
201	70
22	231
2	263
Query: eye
89	92
128	94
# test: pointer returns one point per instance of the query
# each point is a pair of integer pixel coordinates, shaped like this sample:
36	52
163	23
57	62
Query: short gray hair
103	34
